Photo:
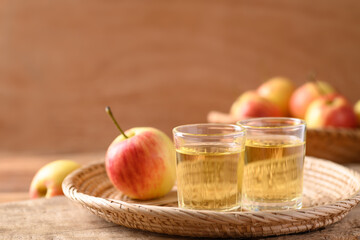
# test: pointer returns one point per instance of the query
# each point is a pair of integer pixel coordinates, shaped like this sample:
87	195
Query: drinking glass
274	163
209	167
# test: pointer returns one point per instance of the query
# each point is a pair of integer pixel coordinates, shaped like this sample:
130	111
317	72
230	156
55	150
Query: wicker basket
330	192
338	145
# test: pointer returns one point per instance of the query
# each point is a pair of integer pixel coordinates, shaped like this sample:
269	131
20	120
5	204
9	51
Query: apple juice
273	172
210	176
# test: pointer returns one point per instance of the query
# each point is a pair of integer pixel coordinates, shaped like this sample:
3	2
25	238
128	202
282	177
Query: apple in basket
47	181
305	94
277	90
248	105
251	104
140	162
331	110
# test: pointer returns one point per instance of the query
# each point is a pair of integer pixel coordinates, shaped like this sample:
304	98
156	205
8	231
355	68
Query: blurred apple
250	104
357	111
141	162
305	94
331	110
277	90
220	117
47	181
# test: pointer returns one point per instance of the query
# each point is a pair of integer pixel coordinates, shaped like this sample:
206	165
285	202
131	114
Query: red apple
305	94
250	104
331	110
141	162
277	90
47	181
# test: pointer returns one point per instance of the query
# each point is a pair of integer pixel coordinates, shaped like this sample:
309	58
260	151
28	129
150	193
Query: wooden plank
158	63
61	218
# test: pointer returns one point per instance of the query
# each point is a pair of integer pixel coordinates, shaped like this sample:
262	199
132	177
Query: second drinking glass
274	163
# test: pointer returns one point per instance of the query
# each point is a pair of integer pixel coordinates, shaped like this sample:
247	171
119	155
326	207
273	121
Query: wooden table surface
61	218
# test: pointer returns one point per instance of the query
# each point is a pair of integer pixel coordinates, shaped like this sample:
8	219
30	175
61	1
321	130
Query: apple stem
108	111
312	77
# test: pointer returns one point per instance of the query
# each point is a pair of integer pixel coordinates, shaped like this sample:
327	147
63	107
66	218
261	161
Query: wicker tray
338	145
330	192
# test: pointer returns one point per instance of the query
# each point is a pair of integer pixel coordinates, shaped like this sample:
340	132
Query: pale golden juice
273	172
209	176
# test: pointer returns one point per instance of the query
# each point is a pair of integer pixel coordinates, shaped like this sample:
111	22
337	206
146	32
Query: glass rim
237	130
297	122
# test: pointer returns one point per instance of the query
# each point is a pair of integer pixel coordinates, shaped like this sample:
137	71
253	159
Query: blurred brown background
157	63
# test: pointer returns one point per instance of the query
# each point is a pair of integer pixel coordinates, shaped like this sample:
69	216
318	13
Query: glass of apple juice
209	166
274	163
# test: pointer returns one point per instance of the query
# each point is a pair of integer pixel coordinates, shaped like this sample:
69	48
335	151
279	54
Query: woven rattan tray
330	192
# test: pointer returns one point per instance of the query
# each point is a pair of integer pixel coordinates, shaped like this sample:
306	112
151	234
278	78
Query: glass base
223	209
271	206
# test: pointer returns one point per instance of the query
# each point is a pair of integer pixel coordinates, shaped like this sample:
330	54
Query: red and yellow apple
250	104
331	110
357	111
140	162
47	181
305	94
277	90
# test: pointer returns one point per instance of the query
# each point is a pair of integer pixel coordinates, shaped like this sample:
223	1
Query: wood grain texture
59	218
157	63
